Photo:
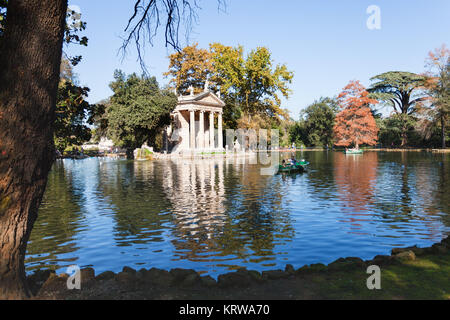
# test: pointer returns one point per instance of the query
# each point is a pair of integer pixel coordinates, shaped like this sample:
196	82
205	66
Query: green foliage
297	133
315	127
399	89
404	91
138	110
73	113
250	85
253	82
392	128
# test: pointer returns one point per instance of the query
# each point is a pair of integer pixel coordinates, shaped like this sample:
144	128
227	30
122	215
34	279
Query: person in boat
283	163
293	161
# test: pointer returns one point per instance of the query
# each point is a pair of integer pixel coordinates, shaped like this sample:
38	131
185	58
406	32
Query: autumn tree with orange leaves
355	124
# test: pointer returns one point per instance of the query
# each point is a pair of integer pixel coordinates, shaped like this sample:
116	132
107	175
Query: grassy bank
410	273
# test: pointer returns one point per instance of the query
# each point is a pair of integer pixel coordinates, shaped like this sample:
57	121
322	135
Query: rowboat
353	151
293	168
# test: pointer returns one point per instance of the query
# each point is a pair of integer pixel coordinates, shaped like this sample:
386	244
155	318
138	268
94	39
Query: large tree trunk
404	134
30	58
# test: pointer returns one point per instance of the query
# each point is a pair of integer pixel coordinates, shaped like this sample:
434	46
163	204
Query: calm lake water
217	215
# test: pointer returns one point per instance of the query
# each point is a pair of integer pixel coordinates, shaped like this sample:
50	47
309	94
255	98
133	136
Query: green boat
353	151
295	168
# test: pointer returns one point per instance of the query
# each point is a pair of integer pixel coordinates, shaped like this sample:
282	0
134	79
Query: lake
217	215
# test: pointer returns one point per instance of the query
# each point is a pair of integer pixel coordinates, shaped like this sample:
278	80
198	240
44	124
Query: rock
54	283
395	251
303	269
180	274
158	277
235	279
107	275
190	280
37	279
414	249
439	249
418	251
87	275
274	274
380	260
129	270
252	275
317	267
208	281
346	263
64	276
446	242
255	275
405	256
125	277
289	269
358	262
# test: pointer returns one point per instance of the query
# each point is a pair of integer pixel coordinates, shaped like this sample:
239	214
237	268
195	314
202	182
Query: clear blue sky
325	42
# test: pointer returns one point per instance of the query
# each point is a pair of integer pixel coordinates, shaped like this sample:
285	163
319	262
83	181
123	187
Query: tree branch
145	22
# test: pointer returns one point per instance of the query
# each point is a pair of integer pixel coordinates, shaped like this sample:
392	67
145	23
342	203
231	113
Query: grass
427	277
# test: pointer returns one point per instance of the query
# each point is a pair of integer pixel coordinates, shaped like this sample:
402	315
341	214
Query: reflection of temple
193	123
197	192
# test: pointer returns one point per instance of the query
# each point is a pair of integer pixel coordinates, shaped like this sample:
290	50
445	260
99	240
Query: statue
206	86
191	90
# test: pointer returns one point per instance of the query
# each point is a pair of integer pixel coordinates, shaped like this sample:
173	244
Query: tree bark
30	51
443	131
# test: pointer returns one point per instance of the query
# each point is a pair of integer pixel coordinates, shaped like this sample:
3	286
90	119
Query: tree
355	124
250	85
258	91
402	91
31	48
317	122
438	84
138	110
73	113
395	127
190	67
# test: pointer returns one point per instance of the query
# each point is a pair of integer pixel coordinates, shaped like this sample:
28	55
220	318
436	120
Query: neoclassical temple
193	123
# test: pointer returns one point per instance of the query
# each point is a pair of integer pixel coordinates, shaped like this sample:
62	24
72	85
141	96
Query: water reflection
53	235
214	215
355	176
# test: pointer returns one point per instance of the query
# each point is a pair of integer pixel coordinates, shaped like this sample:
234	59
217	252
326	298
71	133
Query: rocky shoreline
188	284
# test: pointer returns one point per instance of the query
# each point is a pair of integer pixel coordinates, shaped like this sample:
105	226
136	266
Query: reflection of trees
412	193
58	222
442	194
223	208
355	177
140	207
320	176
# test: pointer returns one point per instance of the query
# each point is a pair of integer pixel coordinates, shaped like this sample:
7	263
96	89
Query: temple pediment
205	98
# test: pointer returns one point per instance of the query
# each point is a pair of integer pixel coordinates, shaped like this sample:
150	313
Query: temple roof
205	98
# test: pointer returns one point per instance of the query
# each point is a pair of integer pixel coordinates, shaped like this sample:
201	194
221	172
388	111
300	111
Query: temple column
220	134
212	144
202	131
192	130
